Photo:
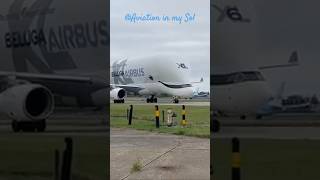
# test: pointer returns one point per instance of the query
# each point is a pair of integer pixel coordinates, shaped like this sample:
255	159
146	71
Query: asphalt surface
161	156
269	132
281	126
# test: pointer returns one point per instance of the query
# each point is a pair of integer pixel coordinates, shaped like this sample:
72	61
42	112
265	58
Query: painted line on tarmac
156	158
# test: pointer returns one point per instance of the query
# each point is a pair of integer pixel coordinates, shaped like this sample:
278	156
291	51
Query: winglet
294	58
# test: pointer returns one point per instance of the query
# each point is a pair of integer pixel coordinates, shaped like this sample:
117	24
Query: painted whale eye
151	78
182	65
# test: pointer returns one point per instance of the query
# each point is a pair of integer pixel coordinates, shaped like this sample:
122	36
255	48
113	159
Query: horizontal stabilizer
293	61
201	81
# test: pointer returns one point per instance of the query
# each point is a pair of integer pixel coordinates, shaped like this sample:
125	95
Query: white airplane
151	76
52	52
236	90
198	94
246	93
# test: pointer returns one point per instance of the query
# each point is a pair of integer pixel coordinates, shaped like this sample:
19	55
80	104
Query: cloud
277	28
190	41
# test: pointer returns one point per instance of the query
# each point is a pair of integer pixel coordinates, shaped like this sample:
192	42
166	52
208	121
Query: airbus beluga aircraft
51	52
246	92
236	88
152	77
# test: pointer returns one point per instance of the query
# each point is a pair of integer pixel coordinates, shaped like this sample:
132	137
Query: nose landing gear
152	99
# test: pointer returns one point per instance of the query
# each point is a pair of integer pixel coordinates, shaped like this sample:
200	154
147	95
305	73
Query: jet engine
27	102
118	95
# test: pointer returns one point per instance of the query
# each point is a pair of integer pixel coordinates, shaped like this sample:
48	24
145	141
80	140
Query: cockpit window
253	76
221	79
237	77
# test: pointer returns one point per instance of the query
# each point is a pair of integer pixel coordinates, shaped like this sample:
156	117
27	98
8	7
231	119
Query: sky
188	40
276	29
280	32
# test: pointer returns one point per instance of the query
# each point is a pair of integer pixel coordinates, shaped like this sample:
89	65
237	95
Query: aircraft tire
15	126
41	126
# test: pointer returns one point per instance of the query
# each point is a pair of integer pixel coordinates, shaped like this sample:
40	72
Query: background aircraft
200	94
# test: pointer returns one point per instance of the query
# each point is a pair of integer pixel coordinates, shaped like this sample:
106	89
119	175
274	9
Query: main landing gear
116	101
29	126
175	100
152	99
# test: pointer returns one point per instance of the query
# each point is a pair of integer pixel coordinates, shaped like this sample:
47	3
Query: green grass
32	157
268	159
198	118
136	167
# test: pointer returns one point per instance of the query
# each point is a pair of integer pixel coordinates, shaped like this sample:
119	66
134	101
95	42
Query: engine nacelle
118	93
27	102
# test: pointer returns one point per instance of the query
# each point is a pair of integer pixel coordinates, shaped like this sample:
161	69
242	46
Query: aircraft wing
43	77
58	84
293	61
128	87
